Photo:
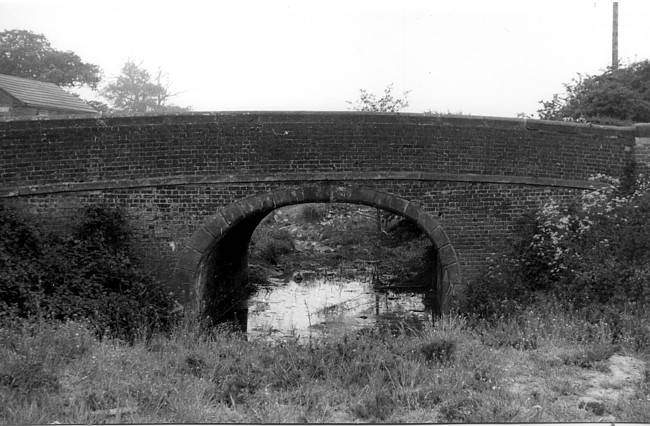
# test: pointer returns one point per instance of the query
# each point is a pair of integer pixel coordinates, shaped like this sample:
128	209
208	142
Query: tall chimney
615	36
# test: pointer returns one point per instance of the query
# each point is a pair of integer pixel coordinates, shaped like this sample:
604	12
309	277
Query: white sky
489	57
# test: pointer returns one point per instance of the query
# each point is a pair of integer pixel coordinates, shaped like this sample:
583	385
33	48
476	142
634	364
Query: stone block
447	255
284	197
189	259
216	225
412	212
340	194
440	237
428	222
396	205
453	274
316	193
232	213
201	240
364	196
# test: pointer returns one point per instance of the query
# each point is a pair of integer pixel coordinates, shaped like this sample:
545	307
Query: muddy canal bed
326	307
327	270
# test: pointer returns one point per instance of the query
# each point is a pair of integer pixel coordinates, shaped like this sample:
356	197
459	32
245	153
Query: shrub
86	274
592	253
440	350
269	244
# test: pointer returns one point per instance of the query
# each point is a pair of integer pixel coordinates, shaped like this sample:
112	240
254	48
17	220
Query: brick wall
478	175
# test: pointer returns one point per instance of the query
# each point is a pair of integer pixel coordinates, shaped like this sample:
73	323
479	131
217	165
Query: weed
590	356
598	408
379	404
194	365
269	244
459	411
439	350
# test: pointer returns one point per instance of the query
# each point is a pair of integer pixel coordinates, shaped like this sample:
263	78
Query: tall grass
456	370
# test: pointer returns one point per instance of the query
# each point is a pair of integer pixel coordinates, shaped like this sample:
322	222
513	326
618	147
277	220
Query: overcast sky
487	57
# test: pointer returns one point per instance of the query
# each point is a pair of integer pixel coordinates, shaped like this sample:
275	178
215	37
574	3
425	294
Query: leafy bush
440	350
271	243
86	274
616	96
595	253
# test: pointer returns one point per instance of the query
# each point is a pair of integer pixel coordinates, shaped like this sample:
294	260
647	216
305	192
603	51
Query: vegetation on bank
593	256
88	273
542	365
342	237
557	329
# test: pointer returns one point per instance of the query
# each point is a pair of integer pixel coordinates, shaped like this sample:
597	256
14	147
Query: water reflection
328	307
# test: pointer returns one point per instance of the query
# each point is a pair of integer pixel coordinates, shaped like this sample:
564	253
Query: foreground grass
543	365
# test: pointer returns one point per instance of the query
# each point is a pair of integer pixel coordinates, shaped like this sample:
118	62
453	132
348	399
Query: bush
589	254
269	244
86	274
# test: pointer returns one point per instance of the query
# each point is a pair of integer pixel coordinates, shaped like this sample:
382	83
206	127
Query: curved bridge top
49	156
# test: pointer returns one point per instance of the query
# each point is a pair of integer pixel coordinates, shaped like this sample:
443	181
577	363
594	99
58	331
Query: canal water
329	307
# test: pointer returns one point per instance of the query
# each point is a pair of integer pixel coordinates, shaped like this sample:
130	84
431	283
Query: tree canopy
30	55
616	96
135	90
386	103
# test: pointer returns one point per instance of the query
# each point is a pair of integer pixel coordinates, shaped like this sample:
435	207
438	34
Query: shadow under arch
218	250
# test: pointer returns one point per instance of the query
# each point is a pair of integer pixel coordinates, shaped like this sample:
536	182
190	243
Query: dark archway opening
215	264
324	269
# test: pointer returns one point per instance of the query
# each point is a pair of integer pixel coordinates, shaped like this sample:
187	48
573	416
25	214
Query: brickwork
475	176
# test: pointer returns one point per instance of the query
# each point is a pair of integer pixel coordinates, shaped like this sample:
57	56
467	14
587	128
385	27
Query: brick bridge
195	186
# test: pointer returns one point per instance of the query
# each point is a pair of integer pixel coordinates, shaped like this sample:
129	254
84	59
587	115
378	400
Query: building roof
42	95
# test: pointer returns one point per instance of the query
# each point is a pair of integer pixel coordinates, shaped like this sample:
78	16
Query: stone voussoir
284	197
216	225
428	222
364	196
440	237
189	259
232	213
316	193
201	240
447	255
396	205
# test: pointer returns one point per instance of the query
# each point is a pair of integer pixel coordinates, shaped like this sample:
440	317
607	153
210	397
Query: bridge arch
218	250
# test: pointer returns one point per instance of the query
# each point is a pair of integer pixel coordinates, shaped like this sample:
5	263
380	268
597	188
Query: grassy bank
545	364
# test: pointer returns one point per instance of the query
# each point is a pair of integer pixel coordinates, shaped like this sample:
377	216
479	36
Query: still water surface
319	307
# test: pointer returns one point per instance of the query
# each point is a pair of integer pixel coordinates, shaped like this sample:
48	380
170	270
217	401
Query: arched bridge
195	186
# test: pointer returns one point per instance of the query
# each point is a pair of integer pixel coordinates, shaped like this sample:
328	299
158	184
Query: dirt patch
619	382
594	390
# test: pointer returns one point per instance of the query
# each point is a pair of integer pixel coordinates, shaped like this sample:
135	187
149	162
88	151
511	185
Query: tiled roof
40	94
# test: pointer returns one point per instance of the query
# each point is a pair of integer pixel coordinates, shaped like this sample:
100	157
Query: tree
30	55
616	96
135	91
387	103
